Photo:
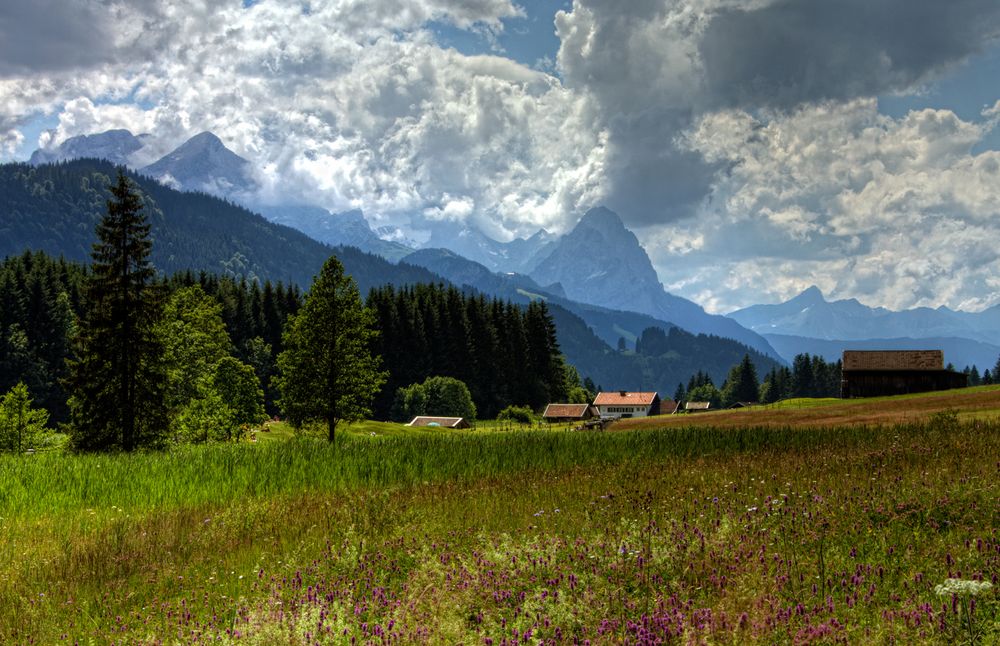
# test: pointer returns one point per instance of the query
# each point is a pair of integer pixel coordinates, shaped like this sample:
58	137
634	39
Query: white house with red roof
615	405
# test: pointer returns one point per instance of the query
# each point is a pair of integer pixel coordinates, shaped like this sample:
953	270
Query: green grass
456	536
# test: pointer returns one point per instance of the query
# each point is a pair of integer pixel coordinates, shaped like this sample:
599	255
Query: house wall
623	411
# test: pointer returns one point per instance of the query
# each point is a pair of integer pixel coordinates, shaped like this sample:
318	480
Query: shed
667	407
697	407
444	422
569	412
877	373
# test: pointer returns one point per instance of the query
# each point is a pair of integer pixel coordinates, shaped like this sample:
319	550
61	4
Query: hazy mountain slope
810	315
588	333
203	163
958	351
609	325
602	263
115	146
349	228
519	255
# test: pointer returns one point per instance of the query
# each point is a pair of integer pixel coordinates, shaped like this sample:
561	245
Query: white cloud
744	188
897	212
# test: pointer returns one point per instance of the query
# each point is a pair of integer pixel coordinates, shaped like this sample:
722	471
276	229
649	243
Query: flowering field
762	535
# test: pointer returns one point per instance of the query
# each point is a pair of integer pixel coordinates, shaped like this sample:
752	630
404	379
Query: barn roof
447	422
697	405
893	360
566	410
622	398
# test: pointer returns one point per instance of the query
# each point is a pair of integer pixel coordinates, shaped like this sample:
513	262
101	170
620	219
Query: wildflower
962	587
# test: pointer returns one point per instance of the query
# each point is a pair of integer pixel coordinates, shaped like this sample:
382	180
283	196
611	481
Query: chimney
621	392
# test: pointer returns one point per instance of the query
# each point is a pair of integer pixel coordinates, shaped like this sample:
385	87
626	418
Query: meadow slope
758	534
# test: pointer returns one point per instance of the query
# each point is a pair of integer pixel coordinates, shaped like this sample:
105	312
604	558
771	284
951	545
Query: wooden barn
878	373
556	413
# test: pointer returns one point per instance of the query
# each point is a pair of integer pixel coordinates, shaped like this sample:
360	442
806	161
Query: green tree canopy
741	384
327	371
437	396
194	340
118	380
20	424
239	387
705	393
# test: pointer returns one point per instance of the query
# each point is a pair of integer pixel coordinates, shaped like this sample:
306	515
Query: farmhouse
620	404
555	413
896	372
444	422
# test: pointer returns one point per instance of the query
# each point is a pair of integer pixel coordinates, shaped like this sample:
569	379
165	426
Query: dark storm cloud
52	35
798	51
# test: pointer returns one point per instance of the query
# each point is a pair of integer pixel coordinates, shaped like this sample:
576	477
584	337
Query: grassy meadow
778	530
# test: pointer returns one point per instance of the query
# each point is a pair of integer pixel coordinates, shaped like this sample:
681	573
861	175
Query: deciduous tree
327	371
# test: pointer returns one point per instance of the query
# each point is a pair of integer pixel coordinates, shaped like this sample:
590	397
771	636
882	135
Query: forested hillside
54	208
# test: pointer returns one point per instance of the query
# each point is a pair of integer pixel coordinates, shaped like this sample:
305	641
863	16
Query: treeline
504	353
809	376
42	300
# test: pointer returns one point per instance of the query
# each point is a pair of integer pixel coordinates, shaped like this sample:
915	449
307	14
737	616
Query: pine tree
742	384
118	380
327	371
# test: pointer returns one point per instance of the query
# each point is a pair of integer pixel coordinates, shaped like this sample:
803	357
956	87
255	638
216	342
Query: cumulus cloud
738	136
891	211
651	67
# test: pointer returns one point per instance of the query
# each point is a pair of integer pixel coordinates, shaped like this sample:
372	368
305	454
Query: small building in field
697	407
622	404
878	373
743	404
443	422
667	407
556	413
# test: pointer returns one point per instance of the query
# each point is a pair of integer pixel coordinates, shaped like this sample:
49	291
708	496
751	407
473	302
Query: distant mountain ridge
810	315
204	164
957	351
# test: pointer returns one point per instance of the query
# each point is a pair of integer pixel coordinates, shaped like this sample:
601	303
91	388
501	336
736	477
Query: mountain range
55	207
810	323
599	262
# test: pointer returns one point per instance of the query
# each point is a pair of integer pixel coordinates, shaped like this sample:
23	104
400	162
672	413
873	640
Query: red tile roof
620	398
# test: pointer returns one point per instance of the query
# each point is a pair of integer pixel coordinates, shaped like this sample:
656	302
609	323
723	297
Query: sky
756	147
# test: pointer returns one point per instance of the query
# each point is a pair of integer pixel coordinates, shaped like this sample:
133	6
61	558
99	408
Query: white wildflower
962	587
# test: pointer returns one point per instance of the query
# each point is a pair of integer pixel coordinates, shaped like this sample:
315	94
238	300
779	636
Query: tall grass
46	484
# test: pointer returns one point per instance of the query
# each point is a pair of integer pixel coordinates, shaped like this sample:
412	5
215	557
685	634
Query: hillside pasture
980	403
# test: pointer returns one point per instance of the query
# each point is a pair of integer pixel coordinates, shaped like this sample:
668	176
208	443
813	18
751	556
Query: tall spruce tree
117	379
327	371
